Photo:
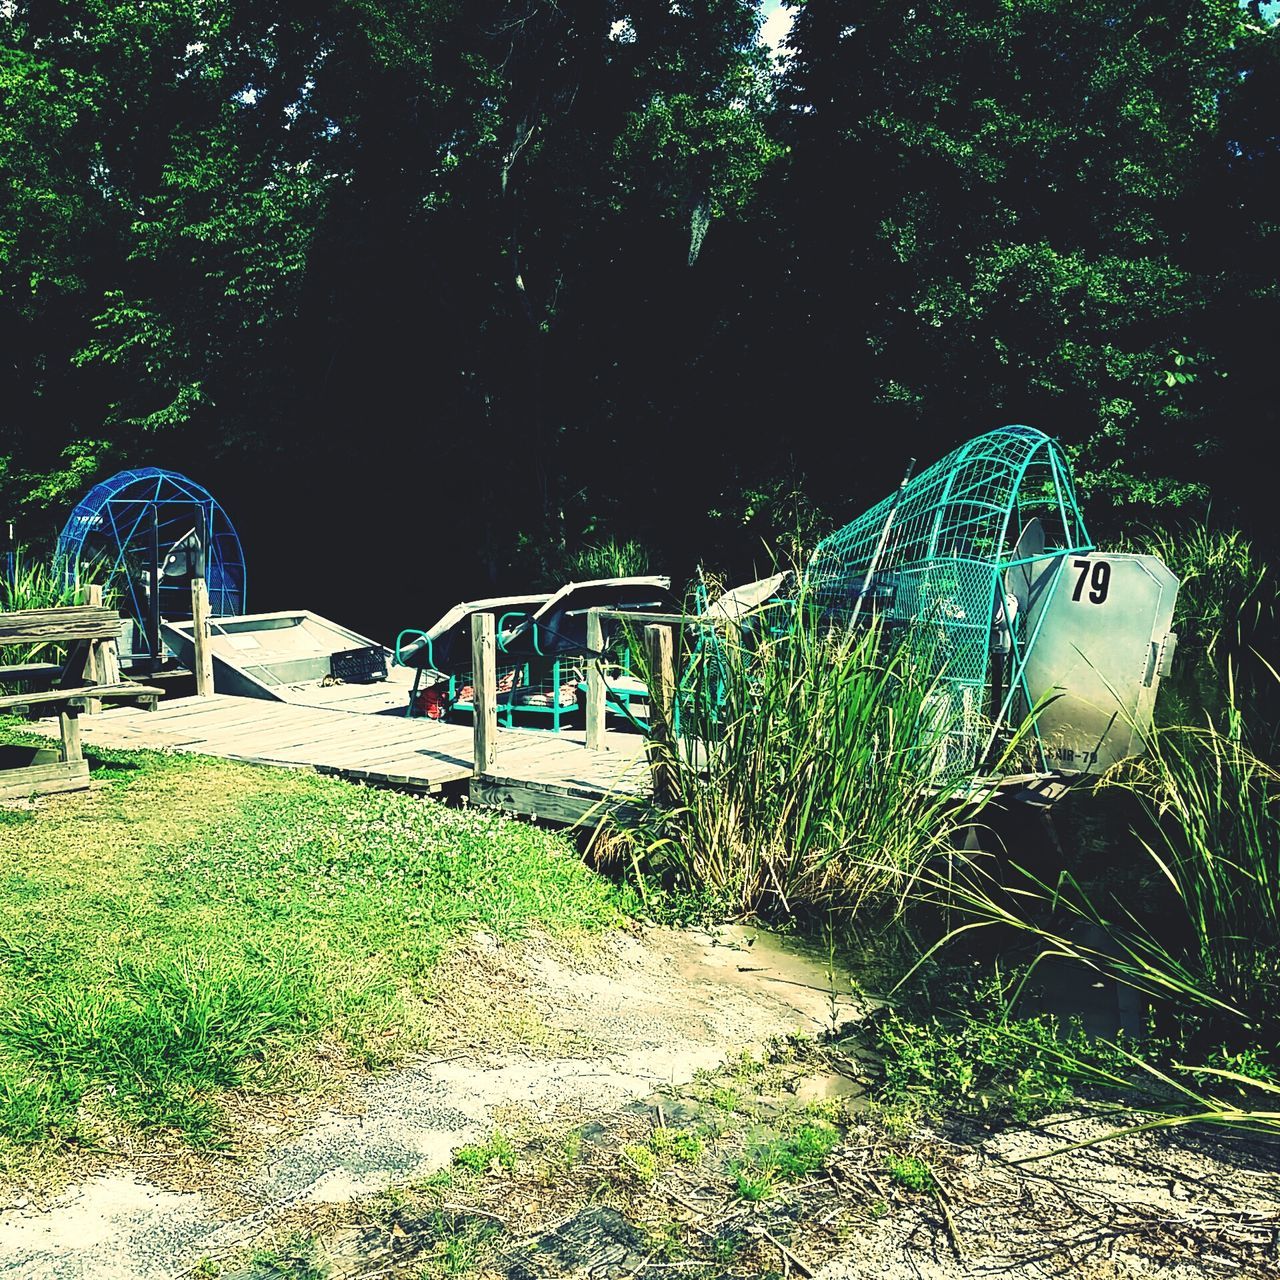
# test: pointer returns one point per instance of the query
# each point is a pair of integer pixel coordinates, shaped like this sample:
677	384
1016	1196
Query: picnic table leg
109	661
69	723
93	675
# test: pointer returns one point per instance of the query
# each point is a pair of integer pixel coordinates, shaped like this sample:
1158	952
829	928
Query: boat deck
536	774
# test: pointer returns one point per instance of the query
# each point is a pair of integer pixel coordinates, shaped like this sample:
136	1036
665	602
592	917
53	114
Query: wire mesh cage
137	518
940	563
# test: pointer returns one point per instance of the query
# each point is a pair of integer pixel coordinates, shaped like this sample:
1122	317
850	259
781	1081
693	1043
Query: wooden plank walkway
537	774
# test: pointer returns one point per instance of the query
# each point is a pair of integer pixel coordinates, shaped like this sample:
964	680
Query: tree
1012	244
440	232
155	231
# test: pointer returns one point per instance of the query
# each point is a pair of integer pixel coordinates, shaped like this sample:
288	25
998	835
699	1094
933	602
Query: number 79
1097	574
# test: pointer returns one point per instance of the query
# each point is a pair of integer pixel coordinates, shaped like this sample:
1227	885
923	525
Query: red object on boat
433	702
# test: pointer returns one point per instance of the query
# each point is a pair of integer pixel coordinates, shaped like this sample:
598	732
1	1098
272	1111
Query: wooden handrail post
484	675
595	682
200	637
659	644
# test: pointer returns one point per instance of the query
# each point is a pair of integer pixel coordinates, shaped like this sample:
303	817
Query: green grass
294	1259
910	1173
459	1246
665	1147
679	1145
196	925
484	1156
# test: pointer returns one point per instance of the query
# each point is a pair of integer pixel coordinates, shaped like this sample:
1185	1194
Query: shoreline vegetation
811	800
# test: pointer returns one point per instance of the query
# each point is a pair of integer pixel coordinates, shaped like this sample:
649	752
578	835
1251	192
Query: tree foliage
1018	239
557	272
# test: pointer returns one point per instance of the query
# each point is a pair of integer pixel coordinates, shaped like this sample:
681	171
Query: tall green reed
1212	832
1200	936
41	584
804	773
607	559
1227	612
1225	594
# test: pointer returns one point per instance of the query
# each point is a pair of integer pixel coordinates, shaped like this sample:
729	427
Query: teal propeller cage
934	563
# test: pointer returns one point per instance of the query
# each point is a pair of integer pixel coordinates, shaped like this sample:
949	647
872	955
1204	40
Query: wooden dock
533	773
361	732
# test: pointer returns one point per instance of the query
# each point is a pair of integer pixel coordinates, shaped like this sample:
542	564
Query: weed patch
665	1147
783	1159
982	1062
910	1173
495	1156
458	1245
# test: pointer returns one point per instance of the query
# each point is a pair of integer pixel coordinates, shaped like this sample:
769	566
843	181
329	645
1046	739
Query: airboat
136	530
1021	625
542	647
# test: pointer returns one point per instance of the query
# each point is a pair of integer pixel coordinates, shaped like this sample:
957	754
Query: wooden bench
89	677
79	698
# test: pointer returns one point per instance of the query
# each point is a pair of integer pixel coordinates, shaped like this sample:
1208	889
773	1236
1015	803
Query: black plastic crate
359	666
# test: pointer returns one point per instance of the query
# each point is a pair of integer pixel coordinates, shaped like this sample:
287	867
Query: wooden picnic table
89	677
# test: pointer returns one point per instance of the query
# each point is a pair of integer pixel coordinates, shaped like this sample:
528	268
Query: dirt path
639	1014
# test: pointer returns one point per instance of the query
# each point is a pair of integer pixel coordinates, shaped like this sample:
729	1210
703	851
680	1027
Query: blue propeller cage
112	525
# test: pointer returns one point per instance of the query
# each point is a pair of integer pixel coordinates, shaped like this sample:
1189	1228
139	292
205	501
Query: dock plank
549	776
305	736
429	757
207	719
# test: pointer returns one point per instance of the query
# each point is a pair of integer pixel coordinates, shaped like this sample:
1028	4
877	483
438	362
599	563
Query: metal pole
202	532
153	602
884	537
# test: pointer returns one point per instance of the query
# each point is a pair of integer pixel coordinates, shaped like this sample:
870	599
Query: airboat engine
1039	652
